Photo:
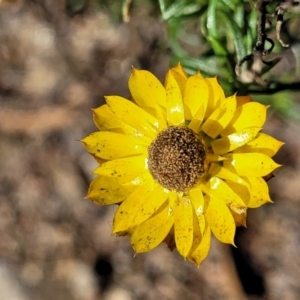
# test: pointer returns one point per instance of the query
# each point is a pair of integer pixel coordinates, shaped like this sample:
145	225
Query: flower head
181	160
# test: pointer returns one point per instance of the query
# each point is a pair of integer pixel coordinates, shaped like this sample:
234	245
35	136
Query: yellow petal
220	190
197	232
155	199
178	69
153	231
259	192
195	97
149	94
123	166
234	140
236	183
241	100
263	143
251	114
220	118
201	218
199	117
239	186
133	115
111	145
240	218
126	212
173	198
180	77
220	220
146	89
242	190
183	225
218	171
217	96
106	191
200	253
198	201
106	120
251	164
214	158
129	180
175	111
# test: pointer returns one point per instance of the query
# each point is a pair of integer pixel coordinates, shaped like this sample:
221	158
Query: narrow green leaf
252	22
217	46
178	9
239	16
210	65
174	27
211	22
235	33
232	4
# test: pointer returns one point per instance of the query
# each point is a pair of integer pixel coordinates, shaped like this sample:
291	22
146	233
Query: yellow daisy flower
181	160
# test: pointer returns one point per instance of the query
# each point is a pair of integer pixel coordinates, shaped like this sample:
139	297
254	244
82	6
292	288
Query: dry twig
260	50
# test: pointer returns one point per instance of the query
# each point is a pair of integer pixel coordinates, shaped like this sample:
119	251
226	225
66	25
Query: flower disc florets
177	158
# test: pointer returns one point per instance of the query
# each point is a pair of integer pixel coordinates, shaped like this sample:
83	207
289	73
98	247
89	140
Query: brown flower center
177	158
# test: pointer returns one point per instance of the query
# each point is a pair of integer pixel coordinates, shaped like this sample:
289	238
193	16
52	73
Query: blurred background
58	58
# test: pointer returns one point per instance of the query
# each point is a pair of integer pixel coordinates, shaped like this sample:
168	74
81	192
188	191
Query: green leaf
211	22
232	4
282	102
174	27
209	65
178	9
218	47
239	16
235	33
252	22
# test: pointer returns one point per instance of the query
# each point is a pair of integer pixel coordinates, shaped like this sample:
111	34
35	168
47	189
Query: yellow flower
181	160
